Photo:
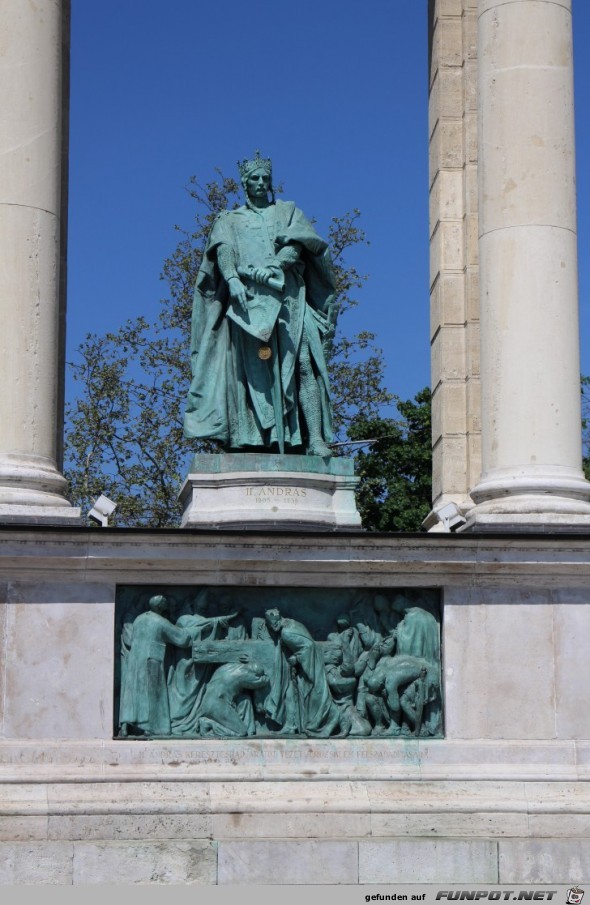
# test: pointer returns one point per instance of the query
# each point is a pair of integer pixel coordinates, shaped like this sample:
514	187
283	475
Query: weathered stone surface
544	861
572	669
460	824
287	825
129	797
46	863
129	863
275	862
47	645
496	698
23	829
115	827
440	861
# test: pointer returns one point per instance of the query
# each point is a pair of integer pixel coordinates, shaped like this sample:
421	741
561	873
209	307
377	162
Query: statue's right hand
237	290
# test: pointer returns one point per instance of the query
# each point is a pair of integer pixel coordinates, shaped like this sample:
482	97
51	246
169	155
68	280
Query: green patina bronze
221	463
263	310
297	663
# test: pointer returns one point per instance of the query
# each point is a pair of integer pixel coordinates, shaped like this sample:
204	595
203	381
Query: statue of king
262	314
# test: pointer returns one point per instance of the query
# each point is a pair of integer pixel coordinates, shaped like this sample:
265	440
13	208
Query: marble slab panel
180	862
58	664
36	863
270	862
432	861
544	860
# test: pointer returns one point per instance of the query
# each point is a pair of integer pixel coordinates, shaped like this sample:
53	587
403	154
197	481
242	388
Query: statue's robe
314	701
144	691
237	397
187	680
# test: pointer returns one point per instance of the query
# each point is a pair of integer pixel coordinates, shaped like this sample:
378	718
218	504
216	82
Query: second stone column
530	373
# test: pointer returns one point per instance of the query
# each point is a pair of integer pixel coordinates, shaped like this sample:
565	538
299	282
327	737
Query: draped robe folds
418	634
314	701
235	397
187	680
144	692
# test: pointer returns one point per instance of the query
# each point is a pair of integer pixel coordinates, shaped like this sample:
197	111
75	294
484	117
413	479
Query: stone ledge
343	760
272	798
185	556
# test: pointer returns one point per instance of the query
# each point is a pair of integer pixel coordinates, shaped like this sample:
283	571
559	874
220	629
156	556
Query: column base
554	500
32	492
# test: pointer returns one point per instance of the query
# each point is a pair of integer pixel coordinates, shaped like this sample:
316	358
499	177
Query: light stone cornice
345	559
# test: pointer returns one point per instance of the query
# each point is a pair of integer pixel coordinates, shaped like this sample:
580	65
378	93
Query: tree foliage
395	491
124	430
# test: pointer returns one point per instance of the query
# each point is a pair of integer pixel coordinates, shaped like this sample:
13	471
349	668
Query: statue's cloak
237	397
313	698
144	692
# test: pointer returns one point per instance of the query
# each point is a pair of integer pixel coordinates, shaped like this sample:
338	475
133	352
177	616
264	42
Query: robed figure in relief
262	315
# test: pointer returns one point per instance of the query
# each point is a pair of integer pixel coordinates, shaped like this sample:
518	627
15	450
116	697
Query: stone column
31	356
530	372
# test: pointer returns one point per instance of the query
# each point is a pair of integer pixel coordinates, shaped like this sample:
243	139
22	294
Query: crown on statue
256	163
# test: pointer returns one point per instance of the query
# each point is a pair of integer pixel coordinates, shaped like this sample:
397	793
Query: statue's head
273	618
158	604
256	176
343	622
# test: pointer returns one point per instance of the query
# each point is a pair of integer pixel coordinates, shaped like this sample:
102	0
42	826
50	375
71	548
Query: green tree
395	490
124	430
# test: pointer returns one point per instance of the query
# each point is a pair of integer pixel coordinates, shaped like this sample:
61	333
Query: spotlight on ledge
103	507
450	516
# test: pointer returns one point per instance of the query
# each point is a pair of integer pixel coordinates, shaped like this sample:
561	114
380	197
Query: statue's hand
237	290
263	275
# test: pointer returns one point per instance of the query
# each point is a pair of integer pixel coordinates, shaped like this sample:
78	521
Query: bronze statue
263	312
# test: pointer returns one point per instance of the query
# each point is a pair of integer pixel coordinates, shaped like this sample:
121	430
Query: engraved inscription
288	496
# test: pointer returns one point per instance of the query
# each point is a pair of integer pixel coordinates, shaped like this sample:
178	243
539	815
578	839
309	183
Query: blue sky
335	91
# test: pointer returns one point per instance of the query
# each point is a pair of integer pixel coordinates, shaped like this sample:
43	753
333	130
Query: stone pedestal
256	490
503	798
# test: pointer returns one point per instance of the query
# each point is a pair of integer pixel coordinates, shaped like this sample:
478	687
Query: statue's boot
309	398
